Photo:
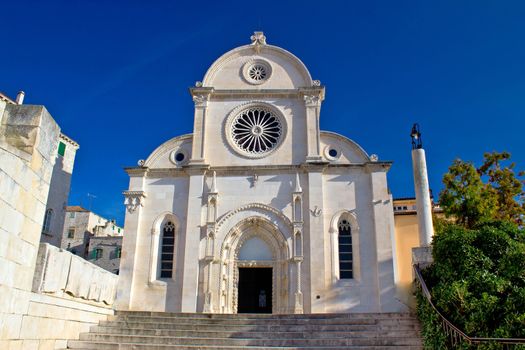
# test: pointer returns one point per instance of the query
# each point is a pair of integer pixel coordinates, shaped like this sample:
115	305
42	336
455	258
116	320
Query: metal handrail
453	332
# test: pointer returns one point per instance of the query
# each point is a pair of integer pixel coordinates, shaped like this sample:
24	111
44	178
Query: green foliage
471	200
477	281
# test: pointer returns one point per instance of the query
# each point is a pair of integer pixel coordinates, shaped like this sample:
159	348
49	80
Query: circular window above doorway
255	131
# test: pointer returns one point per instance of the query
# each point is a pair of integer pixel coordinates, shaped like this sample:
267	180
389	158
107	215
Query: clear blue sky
115	75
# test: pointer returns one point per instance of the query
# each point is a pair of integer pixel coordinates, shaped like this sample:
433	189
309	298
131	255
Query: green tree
508	187
492	191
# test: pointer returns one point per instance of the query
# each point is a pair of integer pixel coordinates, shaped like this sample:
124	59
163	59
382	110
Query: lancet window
167	251
345	250
47	221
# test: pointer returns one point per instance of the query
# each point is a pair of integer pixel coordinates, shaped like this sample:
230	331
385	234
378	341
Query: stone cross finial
258	39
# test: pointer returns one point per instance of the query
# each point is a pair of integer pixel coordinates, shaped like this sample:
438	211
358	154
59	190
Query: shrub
477	281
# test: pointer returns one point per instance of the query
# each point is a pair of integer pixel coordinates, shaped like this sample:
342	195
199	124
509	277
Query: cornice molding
248	170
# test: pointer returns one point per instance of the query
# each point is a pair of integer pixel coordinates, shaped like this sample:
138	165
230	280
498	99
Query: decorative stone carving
201	100
258	39
312	100
316	211
260	206
316	83
133	200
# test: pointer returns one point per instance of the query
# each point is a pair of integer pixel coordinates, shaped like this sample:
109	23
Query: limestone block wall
28	320
28	142
59	272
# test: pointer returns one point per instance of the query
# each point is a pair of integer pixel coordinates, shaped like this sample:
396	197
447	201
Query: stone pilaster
191	241
313	98
201	97
315	239
134	201
383	233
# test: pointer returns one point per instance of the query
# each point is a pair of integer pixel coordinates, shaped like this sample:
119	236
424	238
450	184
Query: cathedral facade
258	210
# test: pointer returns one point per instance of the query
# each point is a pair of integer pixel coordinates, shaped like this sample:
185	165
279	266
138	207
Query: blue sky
115	75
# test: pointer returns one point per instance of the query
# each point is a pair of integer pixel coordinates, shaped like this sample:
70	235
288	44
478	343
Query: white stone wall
337	179
28	138
28	145
48	322
292	150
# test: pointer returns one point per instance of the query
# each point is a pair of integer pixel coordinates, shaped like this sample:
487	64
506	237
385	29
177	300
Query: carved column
209	257
297	206
201	96
313	98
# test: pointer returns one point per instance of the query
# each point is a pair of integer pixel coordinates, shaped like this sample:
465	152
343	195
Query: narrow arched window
345	250
47	221
168	244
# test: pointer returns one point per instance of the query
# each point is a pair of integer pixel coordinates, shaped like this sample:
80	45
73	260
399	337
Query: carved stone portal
263	229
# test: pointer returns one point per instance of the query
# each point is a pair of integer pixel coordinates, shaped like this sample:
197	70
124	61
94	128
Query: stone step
327	334
82	345
165	331
261	321
268	316
155	340
261	328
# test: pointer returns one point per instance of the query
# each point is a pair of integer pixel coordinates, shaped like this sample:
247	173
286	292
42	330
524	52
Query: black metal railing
454	334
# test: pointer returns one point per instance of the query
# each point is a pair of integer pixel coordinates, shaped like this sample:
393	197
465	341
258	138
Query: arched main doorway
254	263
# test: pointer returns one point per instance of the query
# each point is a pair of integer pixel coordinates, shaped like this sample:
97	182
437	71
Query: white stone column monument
422	190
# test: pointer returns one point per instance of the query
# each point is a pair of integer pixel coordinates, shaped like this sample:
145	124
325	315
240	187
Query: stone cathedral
258	210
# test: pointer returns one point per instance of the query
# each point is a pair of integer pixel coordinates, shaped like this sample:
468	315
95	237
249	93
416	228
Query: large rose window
256	131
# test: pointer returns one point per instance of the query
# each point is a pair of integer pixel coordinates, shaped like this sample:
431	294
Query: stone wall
28	141
28	320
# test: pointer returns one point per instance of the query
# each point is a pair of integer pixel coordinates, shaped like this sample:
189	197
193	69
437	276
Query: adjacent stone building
81	225
105	251
258	204
53	225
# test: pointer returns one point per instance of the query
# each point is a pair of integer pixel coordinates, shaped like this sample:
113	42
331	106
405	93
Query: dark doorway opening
255	290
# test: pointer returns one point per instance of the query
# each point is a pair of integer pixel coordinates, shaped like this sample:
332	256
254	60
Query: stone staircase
165	331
